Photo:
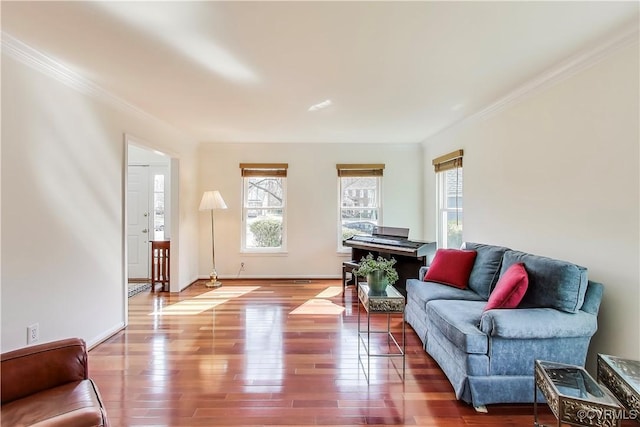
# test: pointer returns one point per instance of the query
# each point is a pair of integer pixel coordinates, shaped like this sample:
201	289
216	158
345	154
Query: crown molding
37	60
569	67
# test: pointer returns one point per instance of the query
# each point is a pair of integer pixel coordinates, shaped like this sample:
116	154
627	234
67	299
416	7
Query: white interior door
138	222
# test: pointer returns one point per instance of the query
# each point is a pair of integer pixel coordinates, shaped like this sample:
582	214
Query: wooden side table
160	261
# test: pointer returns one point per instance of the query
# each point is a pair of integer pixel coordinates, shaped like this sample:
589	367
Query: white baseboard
280	277
105	335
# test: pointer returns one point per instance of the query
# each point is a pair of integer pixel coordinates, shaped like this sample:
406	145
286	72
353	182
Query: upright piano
393	242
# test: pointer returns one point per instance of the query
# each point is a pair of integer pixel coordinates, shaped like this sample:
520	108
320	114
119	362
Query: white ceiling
249	71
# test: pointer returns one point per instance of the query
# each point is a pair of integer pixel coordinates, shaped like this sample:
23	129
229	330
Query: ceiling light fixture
320	105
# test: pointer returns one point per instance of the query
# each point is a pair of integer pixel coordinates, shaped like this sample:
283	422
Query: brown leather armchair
47	385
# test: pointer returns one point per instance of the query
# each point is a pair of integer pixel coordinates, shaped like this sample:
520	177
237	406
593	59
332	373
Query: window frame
254	171
443	210
155	170
378	207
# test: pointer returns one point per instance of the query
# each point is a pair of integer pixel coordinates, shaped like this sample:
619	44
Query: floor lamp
212	200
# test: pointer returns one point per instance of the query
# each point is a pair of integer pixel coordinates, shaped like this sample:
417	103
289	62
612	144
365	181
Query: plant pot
377	281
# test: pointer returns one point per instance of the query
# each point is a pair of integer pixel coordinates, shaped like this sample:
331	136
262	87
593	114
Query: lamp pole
213	276
212	200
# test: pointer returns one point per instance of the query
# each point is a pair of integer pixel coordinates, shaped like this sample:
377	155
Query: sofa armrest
526	323
33	369
422	272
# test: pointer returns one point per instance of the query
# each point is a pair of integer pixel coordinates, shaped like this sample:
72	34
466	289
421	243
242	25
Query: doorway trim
125	219
174	208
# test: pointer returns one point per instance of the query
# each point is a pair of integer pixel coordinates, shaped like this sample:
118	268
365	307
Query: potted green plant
378	271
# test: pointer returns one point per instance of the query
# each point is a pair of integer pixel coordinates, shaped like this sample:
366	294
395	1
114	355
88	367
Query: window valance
359	169
276	170
449	161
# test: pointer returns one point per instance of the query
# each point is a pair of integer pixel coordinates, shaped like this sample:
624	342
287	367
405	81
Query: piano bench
348	267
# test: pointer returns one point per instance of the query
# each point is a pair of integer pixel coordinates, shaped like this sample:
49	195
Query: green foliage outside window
454	233
350	232
267	232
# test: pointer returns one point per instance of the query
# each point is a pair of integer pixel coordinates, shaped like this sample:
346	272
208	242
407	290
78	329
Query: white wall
558	175
144	156
312	198
62	207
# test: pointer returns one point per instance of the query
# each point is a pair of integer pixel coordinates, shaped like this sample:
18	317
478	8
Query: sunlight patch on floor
188	307
330	292
228	292
203	302
318	306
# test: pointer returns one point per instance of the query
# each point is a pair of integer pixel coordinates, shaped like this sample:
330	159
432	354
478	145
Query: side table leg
535	404
359	334
368	346
404	348
358	321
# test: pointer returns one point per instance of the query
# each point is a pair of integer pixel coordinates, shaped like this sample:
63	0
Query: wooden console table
160	261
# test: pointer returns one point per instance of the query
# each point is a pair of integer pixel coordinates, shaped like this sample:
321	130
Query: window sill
264	253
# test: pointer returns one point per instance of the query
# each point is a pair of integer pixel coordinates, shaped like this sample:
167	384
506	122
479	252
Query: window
158	207
360	201
264	207
448	170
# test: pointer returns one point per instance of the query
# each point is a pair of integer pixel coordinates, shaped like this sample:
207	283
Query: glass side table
573	396
388	302
622	378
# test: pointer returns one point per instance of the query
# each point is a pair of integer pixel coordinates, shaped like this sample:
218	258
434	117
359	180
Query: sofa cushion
592	298
552	283
537	323
451	267
486	269
510	288
423	292
73	404
458	321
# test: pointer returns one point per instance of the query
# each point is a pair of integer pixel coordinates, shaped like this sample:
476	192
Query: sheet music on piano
393	242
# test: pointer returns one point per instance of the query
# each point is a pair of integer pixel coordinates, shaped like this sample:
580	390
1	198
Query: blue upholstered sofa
488	356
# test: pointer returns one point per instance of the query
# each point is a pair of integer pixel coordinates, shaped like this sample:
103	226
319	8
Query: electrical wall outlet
33	333
242	266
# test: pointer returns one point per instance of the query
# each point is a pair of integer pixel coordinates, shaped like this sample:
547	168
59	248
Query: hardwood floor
270	353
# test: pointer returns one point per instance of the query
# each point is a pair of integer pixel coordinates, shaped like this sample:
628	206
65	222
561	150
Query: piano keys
393	242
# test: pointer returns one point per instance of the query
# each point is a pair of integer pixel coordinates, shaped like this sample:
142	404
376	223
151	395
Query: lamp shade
212	200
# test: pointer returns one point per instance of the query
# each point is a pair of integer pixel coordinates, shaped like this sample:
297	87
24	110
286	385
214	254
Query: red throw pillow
510	288
451	267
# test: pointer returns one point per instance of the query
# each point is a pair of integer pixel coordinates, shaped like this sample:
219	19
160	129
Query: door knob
144	230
